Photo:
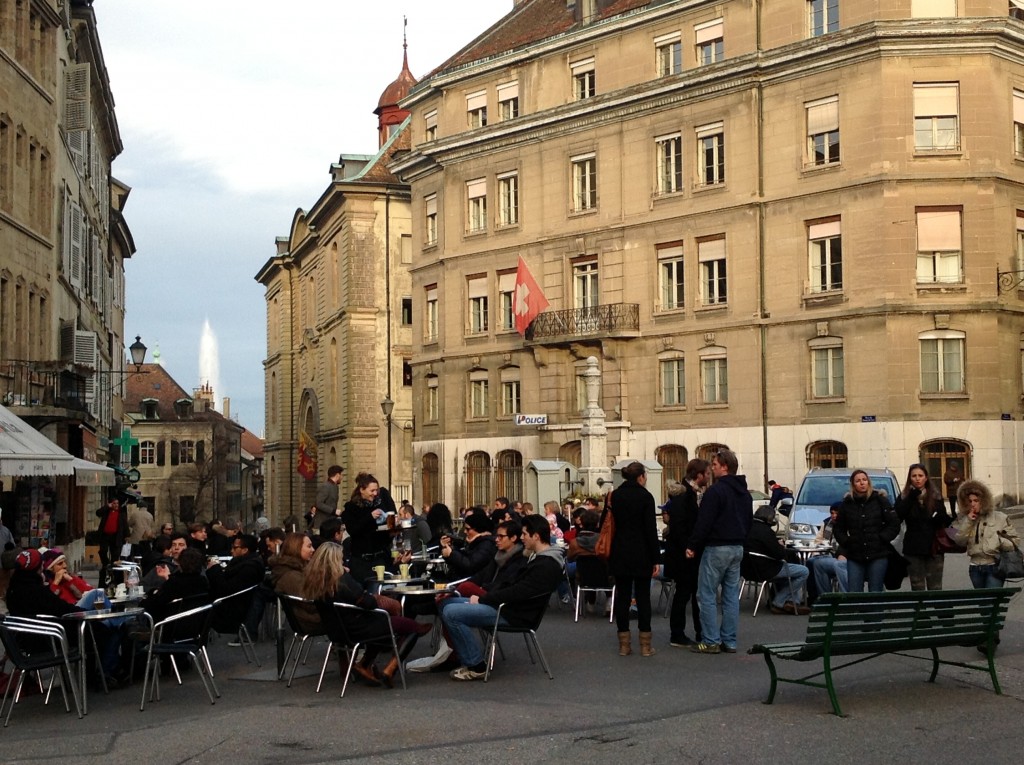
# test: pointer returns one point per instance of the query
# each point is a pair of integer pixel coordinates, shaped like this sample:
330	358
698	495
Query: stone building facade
790	228
339	337
63	241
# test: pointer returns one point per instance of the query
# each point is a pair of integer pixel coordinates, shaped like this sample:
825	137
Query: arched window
827	454
478	479
940	455
430	476
509	475
673	459
707	451
571	452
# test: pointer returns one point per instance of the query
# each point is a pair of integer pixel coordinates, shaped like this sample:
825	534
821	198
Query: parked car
820	488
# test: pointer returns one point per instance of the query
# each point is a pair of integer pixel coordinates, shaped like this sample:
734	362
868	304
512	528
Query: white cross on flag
528	300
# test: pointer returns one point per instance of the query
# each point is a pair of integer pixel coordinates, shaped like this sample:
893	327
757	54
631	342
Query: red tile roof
529	23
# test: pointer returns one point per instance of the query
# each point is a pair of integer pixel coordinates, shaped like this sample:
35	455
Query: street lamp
138	353
387	406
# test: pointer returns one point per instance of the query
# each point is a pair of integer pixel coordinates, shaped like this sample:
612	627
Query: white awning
92	473
25	451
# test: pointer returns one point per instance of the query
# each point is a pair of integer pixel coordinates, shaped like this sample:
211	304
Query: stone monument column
593	434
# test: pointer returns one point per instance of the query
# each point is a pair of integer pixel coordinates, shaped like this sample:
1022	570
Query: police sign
531	419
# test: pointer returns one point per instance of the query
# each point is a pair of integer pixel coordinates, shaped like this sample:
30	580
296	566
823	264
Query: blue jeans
719	567
984	576
789	584
873	571
462	618
826	568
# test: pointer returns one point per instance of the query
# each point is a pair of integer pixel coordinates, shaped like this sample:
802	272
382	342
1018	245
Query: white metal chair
34	645
182	634
229	617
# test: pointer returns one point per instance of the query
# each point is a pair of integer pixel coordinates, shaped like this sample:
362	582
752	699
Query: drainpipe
762	309
387	315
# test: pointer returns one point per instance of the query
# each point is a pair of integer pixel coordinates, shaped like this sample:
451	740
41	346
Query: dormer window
183	408
150	409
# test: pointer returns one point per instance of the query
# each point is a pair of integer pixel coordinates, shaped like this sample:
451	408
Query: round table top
413	591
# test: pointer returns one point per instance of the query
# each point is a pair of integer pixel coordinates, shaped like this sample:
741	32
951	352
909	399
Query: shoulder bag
944	543
1011	564
603	548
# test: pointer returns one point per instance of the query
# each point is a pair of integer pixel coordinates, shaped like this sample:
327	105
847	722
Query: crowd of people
511	556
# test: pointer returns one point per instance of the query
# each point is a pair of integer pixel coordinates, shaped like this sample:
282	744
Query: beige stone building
777	226
189	456
339	329
63	243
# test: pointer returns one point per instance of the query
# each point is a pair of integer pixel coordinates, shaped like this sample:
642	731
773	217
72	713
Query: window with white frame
1018	124
822	17
584	82
673	382
511	402
827	375
430	220
669	149
476	206
430	125
670	276
186	452
932	9
939	253
506	300
430	315
508	101
822	131
476	109
585	284
147	453
433	399
714	376
508	199
584	182
711	154
936	116
668	54
825	253
713	283
476	287
478	403
942	361
710	41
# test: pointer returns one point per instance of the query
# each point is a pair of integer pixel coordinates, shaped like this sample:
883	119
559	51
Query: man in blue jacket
723	523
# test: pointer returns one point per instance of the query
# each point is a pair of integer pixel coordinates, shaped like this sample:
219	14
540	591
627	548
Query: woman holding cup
366	509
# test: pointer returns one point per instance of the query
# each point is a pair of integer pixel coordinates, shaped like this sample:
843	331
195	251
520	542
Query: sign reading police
531	419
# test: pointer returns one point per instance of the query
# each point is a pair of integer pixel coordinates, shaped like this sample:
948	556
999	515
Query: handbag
603	548
895	571
1011	564
944	543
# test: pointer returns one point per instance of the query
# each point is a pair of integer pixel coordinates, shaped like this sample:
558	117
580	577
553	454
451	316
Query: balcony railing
35	383
617	318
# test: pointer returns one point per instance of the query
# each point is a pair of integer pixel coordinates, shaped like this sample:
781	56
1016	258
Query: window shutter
711	250
85	355
135	455
66	238
583	65
200	450
508	91
160	450
507	282
77	140
938	230
175	453
823	230
476	101
77	237
935	100
477	188
478	287
823	116
76	97
710	30
1018	106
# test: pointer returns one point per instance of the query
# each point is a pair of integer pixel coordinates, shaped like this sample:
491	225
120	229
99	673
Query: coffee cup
379	572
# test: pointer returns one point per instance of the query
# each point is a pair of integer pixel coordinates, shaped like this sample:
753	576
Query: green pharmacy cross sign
125	442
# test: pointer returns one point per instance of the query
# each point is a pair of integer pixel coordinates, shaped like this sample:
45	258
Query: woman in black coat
368	546
921	508
683	506
865	528
634	556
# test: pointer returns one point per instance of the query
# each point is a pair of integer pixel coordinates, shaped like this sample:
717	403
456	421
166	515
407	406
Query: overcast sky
231	114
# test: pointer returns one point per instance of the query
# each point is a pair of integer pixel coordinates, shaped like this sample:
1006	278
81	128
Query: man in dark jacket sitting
765	559
245	569
522	598
478	551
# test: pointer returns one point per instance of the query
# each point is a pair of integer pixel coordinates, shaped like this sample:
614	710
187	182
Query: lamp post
387	406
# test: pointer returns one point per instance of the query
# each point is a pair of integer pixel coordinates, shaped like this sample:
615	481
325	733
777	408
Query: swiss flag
528	301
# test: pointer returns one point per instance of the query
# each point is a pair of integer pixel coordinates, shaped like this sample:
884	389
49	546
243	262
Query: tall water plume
209	360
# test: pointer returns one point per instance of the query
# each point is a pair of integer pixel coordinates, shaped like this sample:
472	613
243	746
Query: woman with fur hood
984	531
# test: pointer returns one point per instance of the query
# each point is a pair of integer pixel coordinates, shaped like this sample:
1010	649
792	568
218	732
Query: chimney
226	408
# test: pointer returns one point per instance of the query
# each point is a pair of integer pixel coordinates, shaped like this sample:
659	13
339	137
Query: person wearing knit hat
68	587
28	560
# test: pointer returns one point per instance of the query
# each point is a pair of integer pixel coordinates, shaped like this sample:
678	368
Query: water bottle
133	580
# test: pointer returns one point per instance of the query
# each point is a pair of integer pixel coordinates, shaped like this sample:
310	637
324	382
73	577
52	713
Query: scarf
501	558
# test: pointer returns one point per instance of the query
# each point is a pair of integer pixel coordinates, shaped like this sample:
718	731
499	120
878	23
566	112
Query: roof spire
405	42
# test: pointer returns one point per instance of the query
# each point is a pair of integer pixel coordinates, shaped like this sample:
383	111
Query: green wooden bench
877	623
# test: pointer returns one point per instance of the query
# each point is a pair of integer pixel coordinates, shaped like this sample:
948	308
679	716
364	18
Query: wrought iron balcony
617	319
42	384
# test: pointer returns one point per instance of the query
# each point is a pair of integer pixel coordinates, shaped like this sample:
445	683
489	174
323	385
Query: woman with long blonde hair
327	581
